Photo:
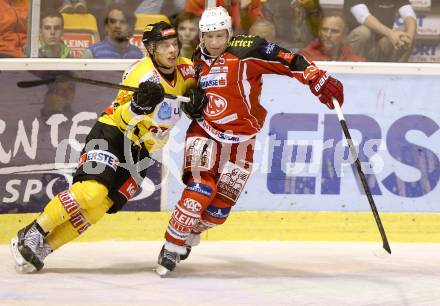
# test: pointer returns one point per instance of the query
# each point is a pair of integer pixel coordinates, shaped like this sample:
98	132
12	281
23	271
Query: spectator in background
372	34
296	21
13	27
170	8
243	12
187	25
51	31
119	27
60	94
74	7
330	45
264	29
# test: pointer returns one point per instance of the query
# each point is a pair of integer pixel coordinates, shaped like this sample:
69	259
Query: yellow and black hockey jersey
153	129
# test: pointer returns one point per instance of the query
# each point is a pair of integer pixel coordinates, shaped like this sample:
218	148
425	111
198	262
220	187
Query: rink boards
302	188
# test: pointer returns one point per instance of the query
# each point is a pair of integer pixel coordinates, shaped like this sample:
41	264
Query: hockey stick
341	118
33	83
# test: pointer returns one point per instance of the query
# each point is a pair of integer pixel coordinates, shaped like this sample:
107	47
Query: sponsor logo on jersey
152	76
129	188
219	69
200	188
217	212
218	134
199	153
165	111
287	56
213	80
226	119
241	43
100	156
192	205
216	105
232	181
187	71
158	131
269	49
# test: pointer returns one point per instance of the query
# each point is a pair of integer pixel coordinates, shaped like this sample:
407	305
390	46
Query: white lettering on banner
427	24
29	138
12	191
54	121
5	157
397	129
420	3
425	53
29	148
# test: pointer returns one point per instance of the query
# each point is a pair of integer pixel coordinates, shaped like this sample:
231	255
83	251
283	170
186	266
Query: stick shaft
364	182
33	83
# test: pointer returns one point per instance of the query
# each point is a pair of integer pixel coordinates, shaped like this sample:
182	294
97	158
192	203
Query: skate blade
161	271
21	265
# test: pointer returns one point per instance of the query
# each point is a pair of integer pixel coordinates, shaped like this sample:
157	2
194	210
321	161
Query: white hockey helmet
215	19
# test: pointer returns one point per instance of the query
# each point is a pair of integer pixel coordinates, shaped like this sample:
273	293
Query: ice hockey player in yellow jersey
136	125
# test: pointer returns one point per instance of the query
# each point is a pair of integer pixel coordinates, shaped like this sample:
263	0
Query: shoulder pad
244	46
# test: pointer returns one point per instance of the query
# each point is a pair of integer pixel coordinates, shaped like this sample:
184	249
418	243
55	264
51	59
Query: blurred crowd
360	30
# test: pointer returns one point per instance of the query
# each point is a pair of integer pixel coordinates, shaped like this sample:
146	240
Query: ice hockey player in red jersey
219	146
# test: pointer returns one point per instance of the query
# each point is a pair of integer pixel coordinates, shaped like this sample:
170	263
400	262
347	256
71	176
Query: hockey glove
145	100
325	87
194	108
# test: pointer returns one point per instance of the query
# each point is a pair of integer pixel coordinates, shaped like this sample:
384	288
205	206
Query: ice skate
192	240
169	257
167	261
29	249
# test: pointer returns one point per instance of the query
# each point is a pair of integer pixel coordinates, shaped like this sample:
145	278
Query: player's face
332	34
51	31
117	27
187	30
166	53
215	42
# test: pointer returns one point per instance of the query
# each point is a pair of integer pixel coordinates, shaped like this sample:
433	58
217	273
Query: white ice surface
229	273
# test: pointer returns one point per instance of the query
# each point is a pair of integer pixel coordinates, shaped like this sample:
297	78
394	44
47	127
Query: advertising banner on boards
42	133
302	162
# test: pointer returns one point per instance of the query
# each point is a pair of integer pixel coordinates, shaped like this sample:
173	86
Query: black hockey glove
145	100
194	108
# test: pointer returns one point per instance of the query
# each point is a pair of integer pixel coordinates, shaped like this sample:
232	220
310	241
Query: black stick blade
34	83
386	246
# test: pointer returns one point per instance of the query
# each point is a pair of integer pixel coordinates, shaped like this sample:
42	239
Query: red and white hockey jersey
232	82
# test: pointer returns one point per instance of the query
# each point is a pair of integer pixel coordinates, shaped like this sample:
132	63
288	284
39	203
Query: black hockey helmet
156	32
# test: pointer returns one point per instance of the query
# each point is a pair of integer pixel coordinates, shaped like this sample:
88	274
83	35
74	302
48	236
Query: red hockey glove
325	87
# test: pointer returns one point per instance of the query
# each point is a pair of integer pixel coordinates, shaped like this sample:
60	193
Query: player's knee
89	194
217	212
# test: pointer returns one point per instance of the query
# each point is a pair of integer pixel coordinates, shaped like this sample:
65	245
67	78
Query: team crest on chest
216	105
165	111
